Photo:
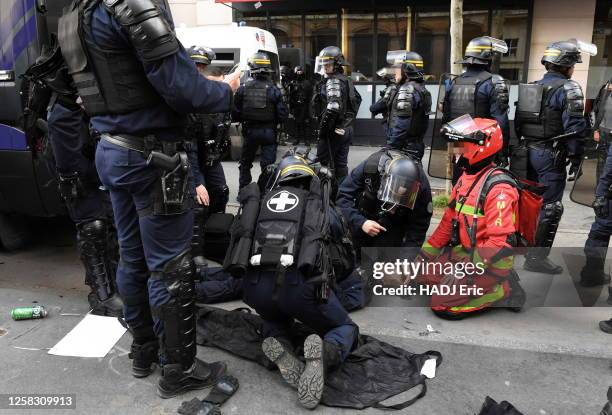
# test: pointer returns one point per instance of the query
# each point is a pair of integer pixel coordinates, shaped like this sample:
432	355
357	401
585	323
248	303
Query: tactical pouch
519	160
217	235
70	186
312	249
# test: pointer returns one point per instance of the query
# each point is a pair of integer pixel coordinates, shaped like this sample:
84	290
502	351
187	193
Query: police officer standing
137	83
387	201
596	246
88	205
335	104
382	105
546	109
300	94
259	105
478	92
409	105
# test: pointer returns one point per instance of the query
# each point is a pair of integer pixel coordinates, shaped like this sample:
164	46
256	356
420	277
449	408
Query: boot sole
189	385
312	381
289	366
143	373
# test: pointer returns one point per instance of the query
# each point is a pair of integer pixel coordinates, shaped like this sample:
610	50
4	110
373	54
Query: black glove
574	162
601	207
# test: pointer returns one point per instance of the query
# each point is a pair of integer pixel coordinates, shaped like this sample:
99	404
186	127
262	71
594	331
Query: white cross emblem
282	202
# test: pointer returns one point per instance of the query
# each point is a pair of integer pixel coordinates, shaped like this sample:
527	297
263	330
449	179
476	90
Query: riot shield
442	153
591	168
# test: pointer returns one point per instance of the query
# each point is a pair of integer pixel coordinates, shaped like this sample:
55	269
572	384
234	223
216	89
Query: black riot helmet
401	182
410	62
567	53
260	63
293	170
330	54
299	72
480	50
201	54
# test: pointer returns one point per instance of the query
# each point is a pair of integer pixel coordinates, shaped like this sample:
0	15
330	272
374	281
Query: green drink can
28	313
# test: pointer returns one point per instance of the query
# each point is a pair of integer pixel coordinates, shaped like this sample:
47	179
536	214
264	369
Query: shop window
432	41
359	44
287	30
392	28
511	25
475	24
321	31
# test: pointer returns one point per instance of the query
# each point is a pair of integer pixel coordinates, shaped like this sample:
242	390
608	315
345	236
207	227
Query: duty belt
131	142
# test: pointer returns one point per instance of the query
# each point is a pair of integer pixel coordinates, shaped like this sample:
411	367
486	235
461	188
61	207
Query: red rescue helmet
480	138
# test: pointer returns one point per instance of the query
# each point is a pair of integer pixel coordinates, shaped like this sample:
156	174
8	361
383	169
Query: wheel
14	232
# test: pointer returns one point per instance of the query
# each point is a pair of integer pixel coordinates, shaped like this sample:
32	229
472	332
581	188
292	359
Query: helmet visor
498	45
585	47
399	190
386	73
397	58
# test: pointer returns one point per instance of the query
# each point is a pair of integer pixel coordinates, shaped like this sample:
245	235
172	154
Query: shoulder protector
405	99
150	33
500	86
333	91
574	98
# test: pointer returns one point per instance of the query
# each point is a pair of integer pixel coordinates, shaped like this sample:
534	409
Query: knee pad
178	314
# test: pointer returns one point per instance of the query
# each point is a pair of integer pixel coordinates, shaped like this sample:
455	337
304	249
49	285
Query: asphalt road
544	360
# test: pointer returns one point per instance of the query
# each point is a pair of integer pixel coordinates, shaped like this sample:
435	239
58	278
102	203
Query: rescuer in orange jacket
478	228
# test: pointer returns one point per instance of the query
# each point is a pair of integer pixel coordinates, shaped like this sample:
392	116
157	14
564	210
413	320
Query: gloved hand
574	163
601	207
502	159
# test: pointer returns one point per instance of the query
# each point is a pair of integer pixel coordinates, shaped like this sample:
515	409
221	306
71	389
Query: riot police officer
300	94
289	267
210	134
387	201
137	84
409	105
335	105
259	105
547	109
88	205
596	246
478	92
382	105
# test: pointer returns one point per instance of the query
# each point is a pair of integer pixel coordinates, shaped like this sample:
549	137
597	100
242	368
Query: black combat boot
592	274
144	355
538	263
517	298
321	357
290	367
176	380
606	326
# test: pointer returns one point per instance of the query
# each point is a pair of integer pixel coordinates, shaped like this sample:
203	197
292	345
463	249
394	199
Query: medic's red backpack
530	202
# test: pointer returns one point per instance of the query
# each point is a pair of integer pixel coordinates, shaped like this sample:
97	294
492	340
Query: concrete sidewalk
544	360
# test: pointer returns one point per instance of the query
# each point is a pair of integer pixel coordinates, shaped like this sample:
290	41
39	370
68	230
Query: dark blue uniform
258	133
297	299
148	241
405	228
545	168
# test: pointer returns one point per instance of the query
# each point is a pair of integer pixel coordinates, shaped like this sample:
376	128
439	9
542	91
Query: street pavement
544	360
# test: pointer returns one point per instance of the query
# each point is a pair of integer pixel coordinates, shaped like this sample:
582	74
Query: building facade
367	29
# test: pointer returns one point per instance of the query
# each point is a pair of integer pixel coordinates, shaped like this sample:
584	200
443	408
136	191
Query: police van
233	45
27	182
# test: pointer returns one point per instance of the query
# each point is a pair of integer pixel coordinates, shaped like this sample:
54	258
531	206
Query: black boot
144	355
321	357
542	264
517	298
592	273
606	326
175	380
290	367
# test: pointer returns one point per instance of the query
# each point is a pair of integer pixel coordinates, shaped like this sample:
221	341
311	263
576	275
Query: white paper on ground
429	369
94	336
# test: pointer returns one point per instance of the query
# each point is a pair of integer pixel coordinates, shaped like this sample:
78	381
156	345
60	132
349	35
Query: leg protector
97	246
197	240
178	340
549	222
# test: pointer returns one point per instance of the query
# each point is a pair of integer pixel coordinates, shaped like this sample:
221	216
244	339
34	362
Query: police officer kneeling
290	273
549	108
409	104
259	105
387	201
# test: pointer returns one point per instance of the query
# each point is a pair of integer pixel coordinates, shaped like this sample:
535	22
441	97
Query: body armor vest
108	81
420	116
256	105
536	118
211	133
464	97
